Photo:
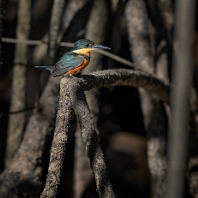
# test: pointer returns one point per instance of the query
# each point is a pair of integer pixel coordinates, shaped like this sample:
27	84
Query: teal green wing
67	62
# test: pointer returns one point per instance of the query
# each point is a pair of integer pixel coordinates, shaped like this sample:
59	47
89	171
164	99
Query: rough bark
72	96
127	77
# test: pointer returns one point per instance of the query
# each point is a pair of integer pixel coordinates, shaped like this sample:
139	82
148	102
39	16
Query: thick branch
72	96
58	144
94	151
127	77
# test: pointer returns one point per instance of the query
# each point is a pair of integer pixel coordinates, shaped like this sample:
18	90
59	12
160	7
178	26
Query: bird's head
85	45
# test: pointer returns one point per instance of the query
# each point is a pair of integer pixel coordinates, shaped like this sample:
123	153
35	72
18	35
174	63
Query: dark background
123	133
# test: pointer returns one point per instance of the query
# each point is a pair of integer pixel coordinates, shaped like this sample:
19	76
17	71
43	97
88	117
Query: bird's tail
50	68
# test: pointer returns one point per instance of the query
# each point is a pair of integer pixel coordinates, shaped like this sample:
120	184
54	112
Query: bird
75	61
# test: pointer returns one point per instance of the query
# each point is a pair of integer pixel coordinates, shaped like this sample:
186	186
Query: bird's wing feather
69	61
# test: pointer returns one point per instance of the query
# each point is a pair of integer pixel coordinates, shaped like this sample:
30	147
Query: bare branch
33	42
182	76
68	44
55	25
142	40
18	96
59	143
88	128
127	77
72	96
73	6
166	8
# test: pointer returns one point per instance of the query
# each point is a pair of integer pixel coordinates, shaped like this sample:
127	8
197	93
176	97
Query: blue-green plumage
71	61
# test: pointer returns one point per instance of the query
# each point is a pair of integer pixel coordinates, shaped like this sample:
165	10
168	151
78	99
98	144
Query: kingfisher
75	61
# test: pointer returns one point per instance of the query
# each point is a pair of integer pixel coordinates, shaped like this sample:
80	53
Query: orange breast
79	68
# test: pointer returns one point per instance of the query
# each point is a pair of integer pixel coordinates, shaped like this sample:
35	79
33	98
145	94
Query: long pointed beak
95	46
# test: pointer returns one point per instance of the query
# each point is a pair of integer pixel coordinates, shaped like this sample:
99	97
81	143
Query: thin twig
68	44
16	112
117	58
27	42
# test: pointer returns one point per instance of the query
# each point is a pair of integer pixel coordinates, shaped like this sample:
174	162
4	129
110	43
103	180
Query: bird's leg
67	75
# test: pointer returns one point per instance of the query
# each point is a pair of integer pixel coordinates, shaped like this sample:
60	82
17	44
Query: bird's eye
90	45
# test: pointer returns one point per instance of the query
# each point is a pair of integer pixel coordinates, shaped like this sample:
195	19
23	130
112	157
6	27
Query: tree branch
69	44
142	40
72	96
18	95
181	77
55	22
127	77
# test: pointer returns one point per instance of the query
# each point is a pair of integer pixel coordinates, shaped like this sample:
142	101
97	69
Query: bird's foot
69	75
